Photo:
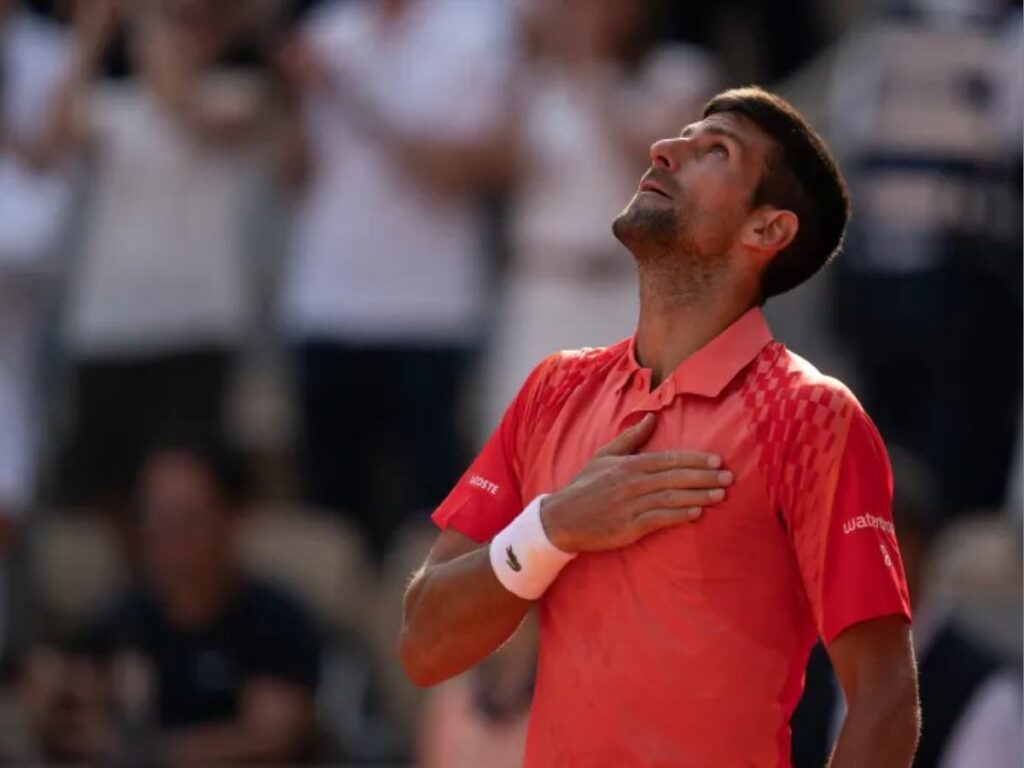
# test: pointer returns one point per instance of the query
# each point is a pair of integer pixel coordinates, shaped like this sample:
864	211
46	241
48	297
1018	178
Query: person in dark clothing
201	671
208	664
970	705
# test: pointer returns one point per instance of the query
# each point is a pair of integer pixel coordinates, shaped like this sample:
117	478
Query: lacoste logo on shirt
868	521
511	560
481	482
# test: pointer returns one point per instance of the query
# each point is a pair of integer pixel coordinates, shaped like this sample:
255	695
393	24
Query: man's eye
719	149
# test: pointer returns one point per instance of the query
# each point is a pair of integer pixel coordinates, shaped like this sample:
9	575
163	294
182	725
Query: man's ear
768	230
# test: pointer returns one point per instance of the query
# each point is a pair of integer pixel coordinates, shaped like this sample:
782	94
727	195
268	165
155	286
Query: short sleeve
843	534
489	495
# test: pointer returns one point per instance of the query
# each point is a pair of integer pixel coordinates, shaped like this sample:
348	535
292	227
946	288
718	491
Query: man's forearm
456	614
457	611
875	735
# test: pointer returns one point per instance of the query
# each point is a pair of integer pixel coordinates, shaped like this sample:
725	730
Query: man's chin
641	224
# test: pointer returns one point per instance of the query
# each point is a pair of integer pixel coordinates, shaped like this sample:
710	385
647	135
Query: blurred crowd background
271	270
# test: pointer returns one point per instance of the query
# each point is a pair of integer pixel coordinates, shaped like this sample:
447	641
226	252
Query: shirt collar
708	370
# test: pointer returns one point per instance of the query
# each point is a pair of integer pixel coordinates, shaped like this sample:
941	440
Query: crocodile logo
512	561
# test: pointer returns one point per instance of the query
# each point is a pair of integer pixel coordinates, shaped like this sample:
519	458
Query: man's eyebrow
713	128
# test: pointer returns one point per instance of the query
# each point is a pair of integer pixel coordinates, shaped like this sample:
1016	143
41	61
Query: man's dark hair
800	176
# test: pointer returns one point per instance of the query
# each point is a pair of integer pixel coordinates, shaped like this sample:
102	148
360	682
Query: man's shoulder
779	376
798	415
801	421
586	358
561	375
562	372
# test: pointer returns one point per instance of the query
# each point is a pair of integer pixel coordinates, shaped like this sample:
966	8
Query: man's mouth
649	186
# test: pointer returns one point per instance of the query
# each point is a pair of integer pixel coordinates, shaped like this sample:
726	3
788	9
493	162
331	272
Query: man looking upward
679	592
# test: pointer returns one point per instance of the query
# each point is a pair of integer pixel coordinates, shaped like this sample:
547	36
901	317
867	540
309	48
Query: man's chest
739	538
589	421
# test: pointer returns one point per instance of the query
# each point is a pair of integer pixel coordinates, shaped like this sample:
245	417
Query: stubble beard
671	263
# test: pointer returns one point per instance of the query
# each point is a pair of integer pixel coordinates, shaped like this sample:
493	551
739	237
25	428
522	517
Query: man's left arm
840	524
874	661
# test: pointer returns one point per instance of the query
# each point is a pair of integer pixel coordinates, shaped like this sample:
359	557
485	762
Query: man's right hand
621	496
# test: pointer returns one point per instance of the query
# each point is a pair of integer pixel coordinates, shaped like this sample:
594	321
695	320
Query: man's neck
675	324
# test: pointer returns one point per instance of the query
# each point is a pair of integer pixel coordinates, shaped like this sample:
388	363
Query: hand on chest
732	536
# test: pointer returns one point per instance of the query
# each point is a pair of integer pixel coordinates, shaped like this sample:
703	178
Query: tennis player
691	508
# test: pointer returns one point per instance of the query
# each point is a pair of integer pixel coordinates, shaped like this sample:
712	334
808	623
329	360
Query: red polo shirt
688	648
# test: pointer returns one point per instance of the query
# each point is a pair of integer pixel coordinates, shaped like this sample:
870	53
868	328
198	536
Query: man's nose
668	153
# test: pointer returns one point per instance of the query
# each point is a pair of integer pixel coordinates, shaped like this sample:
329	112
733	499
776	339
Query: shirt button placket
668	393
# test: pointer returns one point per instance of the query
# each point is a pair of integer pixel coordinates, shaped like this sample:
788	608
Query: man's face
186	531
693	201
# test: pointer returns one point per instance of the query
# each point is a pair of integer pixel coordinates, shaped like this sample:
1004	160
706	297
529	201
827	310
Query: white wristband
523	558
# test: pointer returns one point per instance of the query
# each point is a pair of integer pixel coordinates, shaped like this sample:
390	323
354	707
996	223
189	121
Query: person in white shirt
404	110
33	202
158	302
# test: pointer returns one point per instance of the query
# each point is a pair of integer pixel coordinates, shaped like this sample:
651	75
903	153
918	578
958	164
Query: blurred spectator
1010	121
206	664
67	716
33	197
480	717
1015	490
594	97
970	700
930	290
1009	95
784	33
159	301
403	120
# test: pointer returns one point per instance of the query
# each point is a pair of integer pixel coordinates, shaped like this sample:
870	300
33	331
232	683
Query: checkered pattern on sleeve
800	420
